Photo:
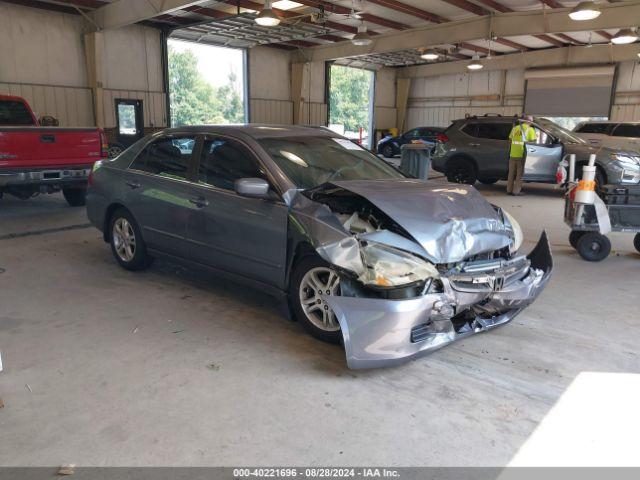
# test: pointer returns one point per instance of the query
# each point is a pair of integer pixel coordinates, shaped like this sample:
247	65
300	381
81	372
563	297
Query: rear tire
75	197
594	247
387	151
300	291
114	149
574	237
127	244
461	170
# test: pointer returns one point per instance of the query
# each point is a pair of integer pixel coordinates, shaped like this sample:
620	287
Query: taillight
104	146
442	138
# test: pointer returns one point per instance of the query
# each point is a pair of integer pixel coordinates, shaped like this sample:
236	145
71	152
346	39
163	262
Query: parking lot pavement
171	367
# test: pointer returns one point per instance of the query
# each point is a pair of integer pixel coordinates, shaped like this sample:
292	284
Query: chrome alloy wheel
124	239
317	282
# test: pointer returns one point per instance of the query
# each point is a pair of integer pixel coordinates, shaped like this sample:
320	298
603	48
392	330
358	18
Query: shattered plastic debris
214	366
1	403
28	387
134	330
67	469
0	361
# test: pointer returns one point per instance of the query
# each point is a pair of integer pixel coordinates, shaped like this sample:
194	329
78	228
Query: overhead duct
569	92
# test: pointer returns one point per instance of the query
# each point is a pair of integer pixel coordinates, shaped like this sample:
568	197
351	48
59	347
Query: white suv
625	135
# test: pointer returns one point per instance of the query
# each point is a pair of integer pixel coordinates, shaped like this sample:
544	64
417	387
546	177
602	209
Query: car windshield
312	161
562	134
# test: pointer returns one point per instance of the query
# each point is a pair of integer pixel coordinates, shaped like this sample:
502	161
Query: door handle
133	184
474	144
199	202
48	138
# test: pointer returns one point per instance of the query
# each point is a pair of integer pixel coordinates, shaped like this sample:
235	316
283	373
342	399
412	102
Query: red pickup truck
36	159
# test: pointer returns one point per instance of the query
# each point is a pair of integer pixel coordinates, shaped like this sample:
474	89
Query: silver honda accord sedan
389	266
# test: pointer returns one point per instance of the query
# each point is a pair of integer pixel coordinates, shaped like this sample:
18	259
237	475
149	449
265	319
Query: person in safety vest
522	132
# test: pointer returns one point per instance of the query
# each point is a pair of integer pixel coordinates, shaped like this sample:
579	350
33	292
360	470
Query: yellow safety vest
518	137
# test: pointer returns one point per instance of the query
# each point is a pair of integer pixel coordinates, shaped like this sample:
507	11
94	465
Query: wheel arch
462	156
599	169
299	249
111	209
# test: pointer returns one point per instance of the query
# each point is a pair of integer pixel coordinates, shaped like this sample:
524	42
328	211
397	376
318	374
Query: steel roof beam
617	15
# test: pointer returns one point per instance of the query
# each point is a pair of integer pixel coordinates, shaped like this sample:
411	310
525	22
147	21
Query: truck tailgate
44	147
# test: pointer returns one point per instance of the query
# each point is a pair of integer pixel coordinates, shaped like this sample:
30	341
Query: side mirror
252	187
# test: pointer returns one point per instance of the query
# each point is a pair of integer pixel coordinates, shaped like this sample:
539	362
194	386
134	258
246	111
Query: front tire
75	197
311	278
127	244
461	170
594	247
636	242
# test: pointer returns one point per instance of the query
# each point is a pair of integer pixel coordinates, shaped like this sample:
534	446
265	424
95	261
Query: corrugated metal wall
72	106
270	111
42	59
153	105
626	106
439	100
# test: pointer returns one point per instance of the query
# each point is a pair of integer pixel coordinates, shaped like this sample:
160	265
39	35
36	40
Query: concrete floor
169	367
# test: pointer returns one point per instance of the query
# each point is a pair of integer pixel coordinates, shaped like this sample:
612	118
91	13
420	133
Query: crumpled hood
451	222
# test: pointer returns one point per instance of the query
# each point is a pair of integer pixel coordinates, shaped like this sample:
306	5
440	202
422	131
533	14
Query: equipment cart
621	209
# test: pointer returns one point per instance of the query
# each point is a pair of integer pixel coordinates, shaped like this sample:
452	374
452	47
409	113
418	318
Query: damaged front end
420	265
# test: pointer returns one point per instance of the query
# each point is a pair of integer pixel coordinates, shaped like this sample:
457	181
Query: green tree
193	101
349	97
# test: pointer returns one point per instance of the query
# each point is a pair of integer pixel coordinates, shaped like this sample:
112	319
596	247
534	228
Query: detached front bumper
381	333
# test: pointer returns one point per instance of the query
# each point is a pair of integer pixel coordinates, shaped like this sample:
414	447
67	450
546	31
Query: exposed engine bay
413	279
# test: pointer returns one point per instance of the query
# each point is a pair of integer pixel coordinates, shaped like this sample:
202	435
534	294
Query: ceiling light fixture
267	17
624	36
362	37
585	11
475	63
430	55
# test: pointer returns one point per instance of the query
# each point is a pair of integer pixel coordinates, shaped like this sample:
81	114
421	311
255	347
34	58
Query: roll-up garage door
569	92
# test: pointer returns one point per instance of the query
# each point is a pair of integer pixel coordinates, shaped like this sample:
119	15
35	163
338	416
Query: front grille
487	276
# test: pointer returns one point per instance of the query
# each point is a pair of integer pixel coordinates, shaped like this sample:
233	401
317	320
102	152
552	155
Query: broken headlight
512	224
389	267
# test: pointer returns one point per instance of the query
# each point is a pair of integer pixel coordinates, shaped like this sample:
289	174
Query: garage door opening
351	103
206	84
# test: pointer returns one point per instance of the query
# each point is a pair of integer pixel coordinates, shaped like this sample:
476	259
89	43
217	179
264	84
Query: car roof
257	130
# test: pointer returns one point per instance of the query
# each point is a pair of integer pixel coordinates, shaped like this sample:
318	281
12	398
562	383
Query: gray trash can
416	159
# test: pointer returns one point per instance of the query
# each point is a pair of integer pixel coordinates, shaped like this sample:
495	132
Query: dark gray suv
477	148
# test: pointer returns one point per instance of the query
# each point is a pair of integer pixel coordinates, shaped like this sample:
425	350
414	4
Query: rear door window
494	131
627	130
167	157
470	128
